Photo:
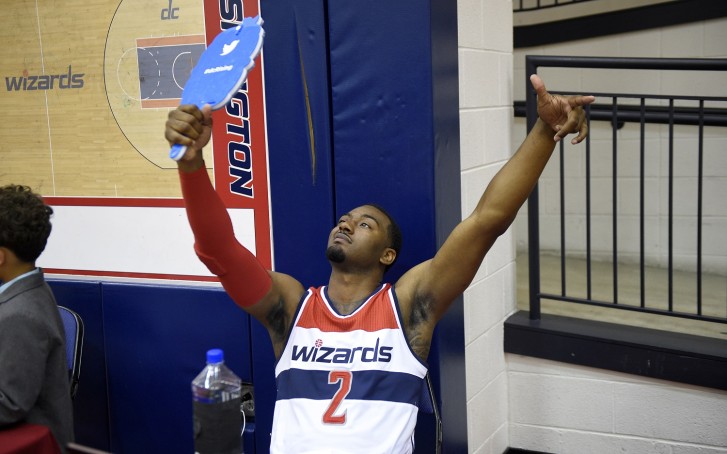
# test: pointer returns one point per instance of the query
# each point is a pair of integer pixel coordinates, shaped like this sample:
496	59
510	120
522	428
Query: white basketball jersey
347	383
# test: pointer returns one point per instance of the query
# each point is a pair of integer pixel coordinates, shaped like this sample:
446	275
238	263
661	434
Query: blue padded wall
156	343
449	338
382	116
397	145
299	136
90	407
143	345
385	132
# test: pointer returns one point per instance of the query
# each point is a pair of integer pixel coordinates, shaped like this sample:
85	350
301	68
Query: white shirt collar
4	286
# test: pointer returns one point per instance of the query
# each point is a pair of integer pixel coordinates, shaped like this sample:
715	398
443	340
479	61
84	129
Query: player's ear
388	256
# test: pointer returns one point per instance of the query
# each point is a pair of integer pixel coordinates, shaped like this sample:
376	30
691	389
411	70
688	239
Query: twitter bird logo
227	48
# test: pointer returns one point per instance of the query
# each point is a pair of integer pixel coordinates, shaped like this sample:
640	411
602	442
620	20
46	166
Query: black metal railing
531	5
640	109
541	22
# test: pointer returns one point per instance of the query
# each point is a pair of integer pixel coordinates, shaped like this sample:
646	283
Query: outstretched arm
440	280
268	296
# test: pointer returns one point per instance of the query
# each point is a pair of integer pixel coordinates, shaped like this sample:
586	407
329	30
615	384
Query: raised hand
564	114
189	126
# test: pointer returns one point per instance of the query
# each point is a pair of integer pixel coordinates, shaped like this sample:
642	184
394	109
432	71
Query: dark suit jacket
34	385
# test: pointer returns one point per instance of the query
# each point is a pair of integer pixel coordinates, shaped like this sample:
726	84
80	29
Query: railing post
531	107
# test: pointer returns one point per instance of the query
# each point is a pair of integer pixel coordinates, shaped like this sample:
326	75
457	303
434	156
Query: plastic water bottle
216	401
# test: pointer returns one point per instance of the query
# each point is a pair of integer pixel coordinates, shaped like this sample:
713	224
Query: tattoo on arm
418	331
420	344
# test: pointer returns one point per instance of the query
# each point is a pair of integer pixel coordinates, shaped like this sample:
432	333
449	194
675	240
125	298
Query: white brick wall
564	409
485	81
540	405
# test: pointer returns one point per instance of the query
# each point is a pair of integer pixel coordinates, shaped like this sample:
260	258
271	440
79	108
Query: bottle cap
215	355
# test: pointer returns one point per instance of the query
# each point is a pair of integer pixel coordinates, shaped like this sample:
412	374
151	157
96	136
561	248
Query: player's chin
335	254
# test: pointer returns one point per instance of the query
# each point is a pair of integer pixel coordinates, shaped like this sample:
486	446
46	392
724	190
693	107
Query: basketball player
351	354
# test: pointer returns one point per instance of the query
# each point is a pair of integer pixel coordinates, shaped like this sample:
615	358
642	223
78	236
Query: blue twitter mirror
222	69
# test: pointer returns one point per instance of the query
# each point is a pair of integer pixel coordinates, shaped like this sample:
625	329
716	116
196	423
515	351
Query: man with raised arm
352	354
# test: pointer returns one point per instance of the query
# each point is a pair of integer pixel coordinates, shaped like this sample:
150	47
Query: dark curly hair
24	222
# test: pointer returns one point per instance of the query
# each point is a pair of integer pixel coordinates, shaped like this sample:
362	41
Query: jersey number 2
343	378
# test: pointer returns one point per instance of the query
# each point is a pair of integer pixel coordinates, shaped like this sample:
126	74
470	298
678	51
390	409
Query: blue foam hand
222	68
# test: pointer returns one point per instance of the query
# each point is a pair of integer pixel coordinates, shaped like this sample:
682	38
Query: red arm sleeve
242	276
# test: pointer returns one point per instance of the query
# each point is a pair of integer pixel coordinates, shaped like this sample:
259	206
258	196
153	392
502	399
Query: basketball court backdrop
87	86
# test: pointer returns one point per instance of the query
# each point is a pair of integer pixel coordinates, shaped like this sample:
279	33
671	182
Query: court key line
47	108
